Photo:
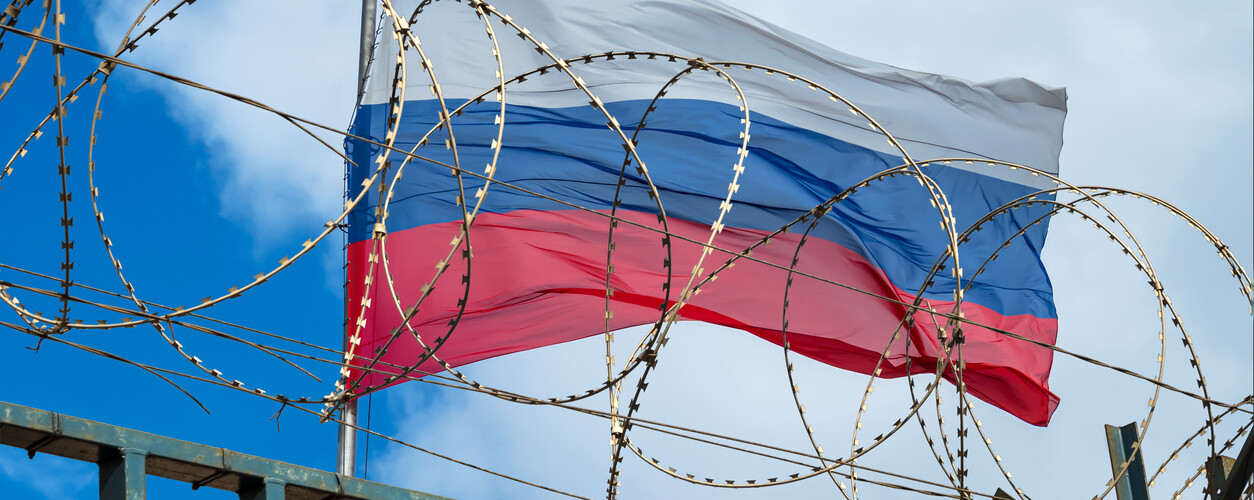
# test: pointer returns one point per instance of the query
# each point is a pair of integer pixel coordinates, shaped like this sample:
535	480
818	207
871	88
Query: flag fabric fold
537	260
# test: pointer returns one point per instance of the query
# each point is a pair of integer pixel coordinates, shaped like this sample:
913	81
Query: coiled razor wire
29	23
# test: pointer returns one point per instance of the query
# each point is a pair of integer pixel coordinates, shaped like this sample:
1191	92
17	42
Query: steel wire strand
652	425
647	352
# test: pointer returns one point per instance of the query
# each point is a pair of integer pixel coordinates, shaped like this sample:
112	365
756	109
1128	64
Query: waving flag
538	258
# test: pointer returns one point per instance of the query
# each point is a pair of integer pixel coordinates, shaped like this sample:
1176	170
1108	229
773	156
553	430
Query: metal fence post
123	475
269	489
1131	484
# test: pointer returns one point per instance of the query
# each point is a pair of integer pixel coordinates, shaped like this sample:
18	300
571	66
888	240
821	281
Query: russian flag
532	269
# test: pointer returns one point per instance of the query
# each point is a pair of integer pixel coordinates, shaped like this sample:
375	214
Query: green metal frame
126	457
1131	484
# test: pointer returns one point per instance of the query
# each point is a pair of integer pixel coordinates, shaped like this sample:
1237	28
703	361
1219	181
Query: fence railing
126	457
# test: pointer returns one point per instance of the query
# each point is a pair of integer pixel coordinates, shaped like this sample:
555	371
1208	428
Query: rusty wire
1066	199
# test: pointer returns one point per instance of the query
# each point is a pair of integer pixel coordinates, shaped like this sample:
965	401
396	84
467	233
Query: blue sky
201	193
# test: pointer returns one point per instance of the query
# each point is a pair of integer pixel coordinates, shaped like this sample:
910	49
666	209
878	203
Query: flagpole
346	456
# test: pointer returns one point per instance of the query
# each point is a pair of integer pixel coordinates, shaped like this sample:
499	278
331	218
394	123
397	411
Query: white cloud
54	478
296	57
735	388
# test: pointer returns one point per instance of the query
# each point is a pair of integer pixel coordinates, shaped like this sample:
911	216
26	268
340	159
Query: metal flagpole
346	458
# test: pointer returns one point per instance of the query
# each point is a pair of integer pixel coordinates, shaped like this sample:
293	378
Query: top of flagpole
366	42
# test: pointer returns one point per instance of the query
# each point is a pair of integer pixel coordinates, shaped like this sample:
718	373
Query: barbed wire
355	367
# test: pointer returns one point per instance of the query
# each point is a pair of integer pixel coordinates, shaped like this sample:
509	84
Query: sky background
201	193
